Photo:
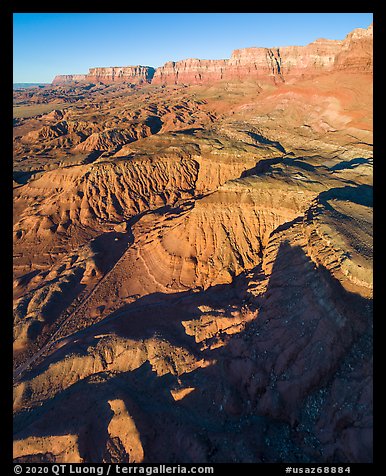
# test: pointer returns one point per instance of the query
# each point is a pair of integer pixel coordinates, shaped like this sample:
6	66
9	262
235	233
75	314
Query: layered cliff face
69	78
276	65
354	53
190	71
130	74
127	74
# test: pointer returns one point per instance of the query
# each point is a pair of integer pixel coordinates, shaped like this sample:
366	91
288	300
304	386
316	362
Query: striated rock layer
69	78
275	64
289	63
129	74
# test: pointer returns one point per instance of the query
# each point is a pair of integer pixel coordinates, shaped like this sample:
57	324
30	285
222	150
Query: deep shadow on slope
108	249
253	403
163	315
307	163
264	140
361	195
350	164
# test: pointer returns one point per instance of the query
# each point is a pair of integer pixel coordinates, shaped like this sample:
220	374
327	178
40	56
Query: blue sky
46	44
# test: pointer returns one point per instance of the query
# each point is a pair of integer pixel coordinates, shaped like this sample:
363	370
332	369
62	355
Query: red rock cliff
289	63
190	71
129	74
68	78
354	53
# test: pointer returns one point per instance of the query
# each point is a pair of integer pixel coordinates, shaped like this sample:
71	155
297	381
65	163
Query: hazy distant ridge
27	85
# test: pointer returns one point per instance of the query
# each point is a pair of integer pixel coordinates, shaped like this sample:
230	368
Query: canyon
192	256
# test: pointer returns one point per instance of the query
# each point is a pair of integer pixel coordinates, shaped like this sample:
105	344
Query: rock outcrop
354	53
129	74
275	64
69	78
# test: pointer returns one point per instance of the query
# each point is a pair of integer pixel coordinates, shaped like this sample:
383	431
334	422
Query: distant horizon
152	39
